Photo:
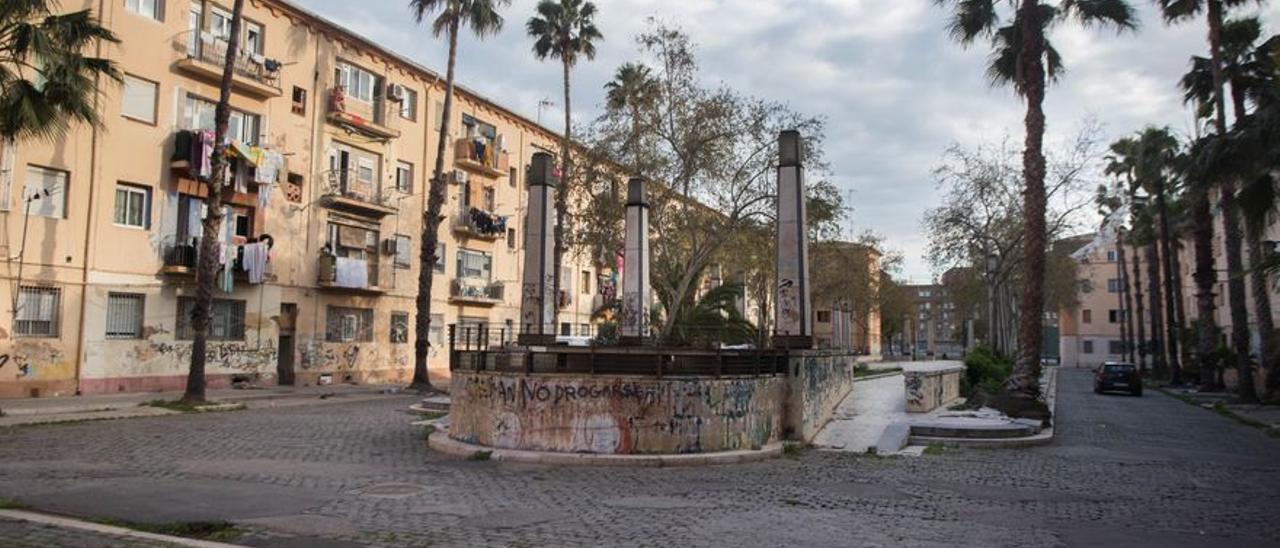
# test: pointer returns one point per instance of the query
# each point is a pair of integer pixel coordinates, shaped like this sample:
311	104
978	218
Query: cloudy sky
895	90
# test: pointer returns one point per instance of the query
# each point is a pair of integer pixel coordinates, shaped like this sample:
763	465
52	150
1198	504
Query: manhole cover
392	490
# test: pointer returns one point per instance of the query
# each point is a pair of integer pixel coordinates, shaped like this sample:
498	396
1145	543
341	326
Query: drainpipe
89	222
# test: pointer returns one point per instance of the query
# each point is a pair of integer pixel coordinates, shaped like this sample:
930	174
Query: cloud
895	89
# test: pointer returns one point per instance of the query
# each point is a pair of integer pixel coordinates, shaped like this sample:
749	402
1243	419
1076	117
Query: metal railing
344	183
480	223
481	348
462	288
206	49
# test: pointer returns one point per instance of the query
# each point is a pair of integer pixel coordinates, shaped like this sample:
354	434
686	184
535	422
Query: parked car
1118	376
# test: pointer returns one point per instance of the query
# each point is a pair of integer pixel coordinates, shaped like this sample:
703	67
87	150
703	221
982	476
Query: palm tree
1147	159
483	19
207	265
632	87
1182	10
1024	57
564	30
46	80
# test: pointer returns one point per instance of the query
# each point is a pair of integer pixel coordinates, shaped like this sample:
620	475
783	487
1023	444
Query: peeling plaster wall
615	415
819	381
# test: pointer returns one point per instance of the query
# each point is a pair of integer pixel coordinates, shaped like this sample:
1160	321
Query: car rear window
1119	368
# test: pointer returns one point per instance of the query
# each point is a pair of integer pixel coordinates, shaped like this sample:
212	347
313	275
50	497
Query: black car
1118	376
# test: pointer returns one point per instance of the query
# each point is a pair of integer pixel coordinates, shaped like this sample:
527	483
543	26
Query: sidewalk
118	406
874	405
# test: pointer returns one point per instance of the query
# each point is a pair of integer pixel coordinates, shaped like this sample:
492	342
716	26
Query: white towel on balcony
350	272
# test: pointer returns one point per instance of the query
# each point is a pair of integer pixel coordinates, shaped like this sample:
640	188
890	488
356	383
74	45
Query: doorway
284	357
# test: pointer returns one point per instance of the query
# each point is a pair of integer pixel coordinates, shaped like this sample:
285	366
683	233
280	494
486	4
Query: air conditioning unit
459	176
389	246
395	92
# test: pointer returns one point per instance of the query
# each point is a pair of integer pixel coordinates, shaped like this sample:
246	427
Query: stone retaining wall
819	381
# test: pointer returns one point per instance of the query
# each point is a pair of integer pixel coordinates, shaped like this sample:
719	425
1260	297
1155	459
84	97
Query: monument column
793	321
537	298
633	321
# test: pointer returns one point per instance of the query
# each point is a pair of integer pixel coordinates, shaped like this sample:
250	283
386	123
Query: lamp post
993	262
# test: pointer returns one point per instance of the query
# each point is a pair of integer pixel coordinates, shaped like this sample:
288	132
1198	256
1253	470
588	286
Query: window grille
124	315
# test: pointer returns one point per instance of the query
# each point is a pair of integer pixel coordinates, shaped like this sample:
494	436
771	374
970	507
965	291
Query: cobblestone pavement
1132	471
21	534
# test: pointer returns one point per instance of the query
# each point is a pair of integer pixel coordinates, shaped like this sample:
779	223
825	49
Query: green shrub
984	372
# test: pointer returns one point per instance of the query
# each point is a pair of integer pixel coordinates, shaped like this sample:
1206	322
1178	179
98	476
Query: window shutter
160	10
139	101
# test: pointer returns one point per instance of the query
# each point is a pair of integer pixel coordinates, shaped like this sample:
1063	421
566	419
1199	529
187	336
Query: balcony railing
344	190
343	273
481	155
364	117
478	223
251	73
476	291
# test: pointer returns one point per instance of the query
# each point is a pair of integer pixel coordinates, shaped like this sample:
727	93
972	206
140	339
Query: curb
449	446
877	376
69	523
1045	436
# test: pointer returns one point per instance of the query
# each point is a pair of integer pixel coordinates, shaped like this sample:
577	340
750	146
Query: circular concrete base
443	443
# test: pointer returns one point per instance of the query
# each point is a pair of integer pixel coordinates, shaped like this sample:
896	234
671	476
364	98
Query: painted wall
818	382
615	415
929	390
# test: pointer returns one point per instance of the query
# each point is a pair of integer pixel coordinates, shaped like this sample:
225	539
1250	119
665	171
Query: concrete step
974	429
431	405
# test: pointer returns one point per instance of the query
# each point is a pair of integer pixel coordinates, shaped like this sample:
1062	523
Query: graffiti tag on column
788	304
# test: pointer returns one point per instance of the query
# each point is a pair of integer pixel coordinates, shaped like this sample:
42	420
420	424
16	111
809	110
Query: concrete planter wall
931	388
612	414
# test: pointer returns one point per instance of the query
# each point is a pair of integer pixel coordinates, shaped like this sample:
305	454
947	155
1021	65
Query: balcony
357	116
179	259
352	275
477	223
475	291
480	156
252	74
345	191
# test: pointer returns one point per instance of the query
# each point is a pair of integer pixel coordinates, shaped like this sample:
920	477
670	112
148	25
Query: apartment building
837	323
334	138
937	329
1089	333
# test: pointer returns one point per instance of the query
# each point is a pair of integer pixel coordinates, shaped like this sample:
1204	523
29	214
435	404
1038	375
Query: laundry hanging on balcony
486	223
254	261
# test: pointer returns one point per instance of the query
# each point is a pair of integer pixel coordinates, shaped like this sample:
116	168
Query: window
124	315
345	324
220	25
440	254
195	15
435	333
474	264
584	330
511	238
358	242
513	179
299	101
404	177
358	83
1088	347
438	119
1111	255
38	310
404	251
1115	347
1113	285
489	200
566	329
1113	316
586	282
409	104
139	99
824	316
197	113
1086	316
46	189
226	320
133	206
399	327
355	172
252	38
153	9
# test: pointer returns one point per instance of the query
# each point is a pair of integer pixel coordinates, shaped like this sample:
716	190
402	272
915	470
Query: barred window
435	333
344	324
226	320
399	327
124	315
37	314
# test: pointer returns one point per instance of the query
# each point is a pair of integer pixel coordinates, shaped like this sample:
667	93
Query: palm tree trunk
1262	311
1137	297
1024	383
1170	313
1158	356
562	193
431	229
1236	295
1205	276
1126	301
211	228
1184	352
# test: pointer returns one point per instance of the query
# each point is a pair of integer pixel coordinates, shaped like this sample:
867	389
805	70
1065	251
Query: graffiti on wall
601	415
25	358
238	356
